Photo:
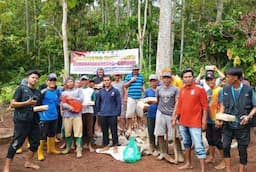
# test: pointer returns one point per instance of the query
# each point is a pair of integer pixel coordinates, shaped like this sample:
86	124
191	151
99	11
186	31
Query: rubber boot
40	153
78	147
68	145
163	150
19	151
51	146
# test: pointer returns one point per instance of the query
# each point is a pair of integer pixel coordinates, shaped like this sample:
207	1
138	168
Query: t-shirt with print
213	102
167	98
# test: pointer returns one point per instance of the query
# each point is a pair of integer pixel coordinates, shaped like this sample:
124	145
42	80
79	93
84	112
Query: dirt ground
93	162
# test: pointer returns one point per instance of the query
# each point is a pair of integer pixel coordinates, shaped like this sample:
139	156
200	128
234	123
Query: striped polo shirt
135	88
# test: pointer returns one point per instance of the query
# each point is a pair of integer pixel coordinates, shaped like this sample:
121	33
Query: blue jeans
193	135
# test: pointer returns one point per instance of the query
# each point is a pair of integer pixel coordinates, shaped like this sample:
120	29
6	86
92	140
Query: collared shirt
135	88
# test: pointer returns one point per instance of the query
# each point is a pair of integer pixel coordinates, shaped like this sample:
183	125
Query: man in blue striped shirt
134	83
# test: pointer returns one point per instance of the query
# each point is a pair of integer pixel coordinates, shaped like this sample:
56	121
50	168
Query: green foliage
95	26
6	93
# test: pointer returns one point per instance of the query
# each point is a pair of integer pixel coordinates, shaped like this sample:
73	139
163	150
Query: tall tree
118	10
27	25
172	31
141	31
64	36
182	32
219	11
163	58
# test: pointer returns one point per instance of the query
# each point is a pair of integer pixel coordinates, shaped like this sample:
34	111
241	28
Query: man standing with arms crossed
26	121
192	115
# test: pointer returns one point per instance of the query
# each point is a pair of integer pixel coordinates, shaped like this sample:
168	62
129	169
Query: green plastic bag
131	152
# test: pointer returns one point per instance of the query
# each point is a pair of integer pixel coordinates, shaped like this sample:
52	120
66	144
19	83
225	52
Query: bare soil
93	162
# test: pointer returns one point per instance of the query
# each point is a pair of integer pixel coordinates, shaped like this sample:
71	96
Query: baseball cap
166	69
135	67
84	77
153	77
209	76
52	76
166	74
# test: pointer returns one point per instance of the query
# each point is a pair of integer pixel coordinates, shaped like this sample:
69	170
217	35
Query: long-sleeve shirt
108	102
76	94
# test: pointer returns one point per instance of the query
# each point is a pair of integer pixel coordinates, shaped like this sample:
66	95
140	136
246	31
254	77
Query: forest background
201	32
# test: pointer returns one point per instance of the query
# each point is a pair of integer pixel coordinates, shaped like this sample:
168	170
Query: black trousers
214	136
48	128
151	128
59	126
106	123
21	131
243	139
87	119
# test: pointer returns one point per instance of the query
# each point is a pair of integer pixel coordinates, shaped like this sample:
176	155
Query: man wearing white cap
134	83
87	112
151	113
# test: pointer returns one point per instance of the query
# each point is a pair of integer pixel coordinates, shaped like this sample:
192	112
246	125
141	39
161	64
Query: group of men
183	109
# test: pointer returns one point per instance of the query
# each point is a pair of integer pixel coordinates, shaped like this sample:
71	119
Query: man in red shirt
192	115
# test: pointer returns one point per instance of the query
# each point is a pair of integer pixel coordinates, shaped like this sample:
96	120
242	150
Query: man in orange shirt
192	115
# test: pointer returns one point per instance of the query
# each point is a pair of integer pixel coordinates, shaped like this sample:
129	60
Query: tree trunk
27	25
150	38
172	31
182	31
118	11
35	23
128	8
64	36
102	11
164	36
219	11
141	33
106	12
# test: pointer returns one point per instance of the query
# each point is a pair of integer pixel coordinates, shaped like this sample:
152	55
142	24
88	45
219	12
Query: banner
111	61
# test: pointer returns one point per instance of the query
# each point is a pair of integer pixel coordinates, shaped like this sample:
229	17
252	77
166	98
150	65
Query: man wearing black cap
49	118
209	70
213	134
26	121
